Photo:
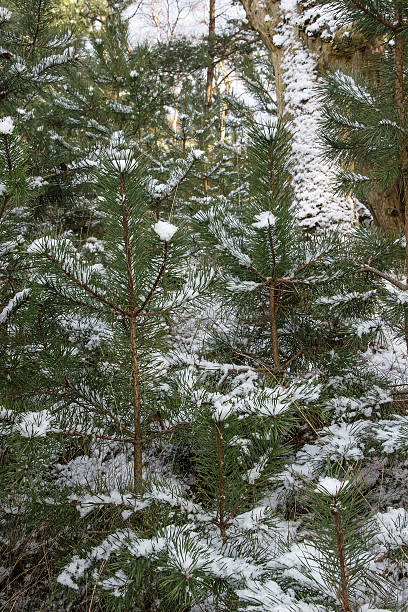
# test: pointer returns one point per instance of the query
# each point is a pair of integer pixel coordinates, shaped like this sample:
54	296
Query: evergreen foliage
196	402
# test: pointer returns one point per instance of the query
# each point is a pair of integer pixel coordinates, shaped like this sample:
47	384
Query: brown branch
272	247
273	323
266	367
387	277
56	391
255	271
75	301
164	432
176	186
98	407
291	359
86	287
152	313
235	509
311	262
378	17
93	435
37	29
157	280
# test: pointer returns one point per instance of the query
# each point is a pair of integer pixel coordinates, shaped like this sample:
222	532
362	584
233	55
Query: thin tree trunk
221	490
224	104
399	50
343	594
273	310
137	426
211	67
271	175
210	75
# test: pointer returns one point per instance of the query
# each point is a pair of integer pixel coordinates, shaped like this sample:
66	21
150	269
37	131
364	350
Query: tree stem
137	425
7	152
211	67
399	51
210	76
221	491
343	596
273	309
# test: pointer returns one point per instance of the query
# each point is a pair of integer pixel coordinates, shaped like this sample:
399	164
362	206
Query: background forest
204	305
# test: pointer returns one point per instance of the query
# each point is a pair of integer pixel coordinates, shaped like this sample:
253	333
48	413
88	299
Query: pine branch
157	280
376	16
272	248
37	29
93	435
273	307
7	151
222	524
164	432
387	277
257	273
311	262
74	300
137	425
6	200
98	407
153	313
86	287
268	368
343	595
177	185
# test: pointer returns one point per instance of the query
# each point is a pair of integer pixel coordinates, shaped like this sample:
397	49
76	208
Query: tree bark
293	42
210	75
221	490
211	67
273	311
399	52
137	425
343	593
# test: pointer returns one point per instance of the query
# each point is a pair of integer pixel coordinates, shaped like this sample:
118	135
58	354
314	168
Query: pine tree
290	282
183	453
342	540
364	123
126	296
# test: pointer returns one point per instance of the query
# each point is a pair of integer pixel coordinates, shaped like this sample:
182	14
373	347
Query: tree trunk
273	323
210	75
137	423
301	50
221	489
342	593
211	67
399	94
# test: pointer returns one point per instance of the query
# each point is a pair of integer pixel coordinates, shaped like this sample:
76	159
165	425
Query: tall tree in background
211	67
210	74
364	127
304	39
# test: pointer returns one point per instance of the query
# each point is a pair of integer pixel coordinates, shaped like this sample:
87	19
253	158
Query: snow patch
165	230
264	219
6	125
331	486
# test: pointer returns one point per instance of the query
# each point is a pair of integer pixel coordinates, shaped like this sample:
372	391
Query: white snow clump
165	230
6	125
330	486
264	219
